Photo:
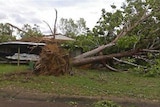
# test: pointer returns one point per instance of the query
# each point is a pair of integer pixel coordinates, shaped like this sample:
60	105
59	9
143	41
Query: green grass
87	83
6	68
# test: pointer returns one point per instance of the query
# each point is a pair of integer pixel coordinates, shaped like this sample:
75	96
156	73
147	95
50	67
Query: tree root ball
53	61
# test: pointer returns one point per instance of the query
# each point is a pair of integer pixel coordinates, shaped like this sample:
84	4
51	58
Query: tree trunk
94	51
83	61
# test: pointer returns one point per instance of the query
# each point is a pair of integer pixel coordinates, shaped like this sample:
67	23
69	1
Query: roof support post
18	59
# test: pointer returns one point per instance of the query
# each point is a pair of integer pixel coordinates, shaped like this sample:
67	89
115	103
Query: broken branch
126	62
111	68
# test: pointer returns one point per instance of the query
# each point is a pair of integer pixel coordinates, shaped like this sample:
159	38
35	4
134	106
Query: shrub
105	103
150	71
154	70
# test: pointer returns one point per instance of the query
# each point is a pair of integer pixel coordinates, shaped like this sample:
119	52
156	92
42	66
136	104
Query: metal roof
22	43
59	37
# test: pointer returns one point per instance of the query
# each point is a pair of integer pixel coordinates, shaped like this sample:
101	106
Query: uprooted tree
129	35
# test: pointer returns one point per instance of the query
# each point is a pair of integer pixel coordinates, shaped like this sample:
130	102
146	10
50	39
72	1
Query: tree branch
149	50
55	27
111	68
49	27
16	28
142	58
126	62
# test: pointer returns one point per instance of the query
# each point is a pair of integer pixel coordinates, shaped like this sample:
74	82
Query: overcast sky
20	12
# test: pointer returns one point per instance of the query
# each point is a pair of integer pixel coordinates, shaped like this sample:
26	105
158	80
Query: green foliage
108	24
86	42
73	103
106	103
5	68
126	42
6	33
5	38
5	29
139	70
150	70
125	19
154	70
30	31
142	35
72	28
113	6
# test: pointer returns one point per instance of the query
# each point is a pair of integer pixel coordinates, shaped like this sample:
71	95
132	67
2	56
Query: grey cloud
18	18
57	3
35	21
21	19
94	12
46	31
3	16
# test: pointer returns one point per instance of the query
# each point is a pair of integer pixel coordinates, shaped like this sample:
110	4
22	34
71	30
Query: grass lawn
84	83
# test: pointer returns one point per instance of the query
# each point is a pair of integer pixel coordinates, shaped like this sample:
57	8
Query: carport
16	51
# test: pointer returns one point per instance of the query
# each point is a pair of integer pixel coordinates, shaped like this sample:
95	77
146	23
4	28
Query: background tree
6	33
72	28
29	31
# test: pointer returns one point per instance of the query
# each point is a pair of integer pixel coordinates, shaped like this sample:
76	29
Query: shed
16	50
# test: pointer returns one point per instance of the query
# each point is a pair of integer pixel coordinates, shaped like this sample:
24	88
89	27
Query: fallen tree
137	35
134	23
133	33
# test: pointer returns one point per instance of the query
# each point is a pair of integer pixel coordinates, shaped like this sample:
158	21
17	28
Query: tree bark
83	61
111	68
94	51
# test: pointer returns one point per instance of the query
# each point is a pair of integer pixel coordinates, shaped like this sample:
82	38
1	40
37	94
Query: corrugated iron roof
59	37
22	43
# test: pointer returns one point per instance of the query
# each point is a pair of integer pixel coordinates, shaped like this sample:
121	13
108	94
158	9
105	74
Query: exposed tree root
53	61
